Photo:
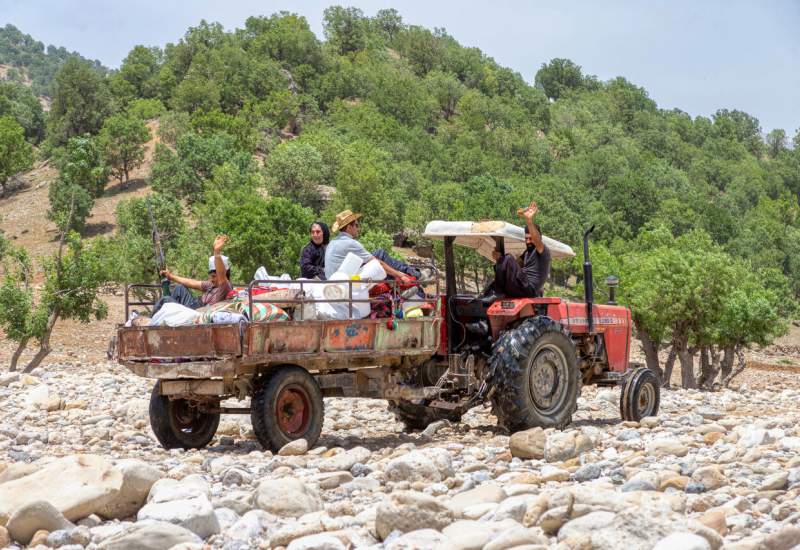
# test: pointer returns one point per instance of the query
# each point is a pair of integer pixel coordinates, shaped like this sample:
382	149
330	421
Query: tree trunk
44	346
707	372
686	357
17	353
726	367
739	367
650	349
668	365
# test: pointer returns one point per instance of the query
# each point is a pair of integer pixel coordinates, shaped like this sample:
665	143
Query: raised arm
219	265
536	237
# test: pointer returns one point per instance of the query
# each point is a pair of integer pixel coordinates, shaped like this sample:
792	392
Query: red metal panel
294	338
172	342
349	336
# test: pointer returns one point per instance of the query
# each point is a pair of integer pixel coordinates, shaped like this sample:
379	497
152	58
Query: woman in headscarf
312	258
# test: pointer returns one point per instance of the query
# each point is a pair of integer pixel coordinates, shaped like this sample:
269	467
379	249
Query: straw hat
343	219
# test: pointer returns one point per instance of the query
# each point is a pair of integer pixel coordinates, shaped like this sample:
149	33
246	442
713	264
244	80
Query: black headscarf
326	233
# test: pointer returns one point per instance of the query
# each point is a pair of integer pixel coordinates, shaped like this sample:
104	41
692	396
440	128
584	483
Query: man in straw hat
348	225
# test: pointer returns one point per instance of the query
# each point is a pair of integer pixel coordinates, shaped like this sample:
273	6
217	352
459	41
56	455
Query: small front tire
177	424
640	395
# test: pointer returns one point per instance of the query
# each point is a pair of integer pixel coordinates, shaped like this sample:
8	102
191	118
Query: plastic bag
174	315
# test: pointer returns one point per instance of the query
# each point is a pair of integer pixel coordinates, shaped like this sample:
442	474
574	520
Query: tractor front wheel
640	395
535	376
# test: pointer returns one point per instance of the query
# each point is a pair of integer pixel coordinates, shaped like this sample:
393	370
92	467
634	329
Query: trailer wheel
418	417
640	395
287	405
177	424
535	377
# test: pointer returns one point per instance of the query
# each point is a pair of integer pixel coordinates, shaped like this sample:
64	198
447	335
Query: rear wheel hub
293	410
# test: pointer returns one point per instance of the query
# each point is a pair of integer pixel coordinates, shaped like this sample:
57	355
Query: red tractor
528	356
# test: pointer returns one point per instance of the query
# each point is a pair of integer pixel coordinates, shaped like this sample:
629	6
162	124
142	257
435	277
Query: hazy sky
696	55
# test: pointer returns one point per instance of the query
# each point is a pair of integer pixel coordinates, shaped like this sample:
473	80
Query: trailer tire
287	405
534	376
417	417
640	395
177	425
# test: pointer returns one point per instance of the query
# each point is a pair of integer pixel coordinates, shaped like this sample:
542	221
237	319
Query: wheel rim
293	410
186	419
548	376
646	399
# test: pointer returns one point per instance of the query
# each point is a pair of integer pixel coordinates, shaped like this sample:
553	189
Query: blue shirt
339	248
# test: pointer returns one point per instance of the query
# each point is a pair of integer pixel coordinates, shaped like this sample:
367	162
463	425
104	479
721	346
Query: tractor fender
508	311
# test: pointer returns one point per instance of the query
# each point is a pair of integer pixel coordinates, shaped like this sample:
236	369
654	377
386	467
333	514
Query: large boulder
76	486
150	536
137	480
32	517
288	498
408	511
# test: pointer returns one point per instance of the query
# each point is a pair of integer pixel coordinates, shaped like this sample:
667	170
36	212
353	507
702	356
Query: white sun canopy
480	237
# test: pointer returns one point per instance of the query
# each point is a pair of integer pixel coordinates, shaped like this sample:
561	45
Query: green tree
70	205
123	137
16	155
776	142
81	163
297	170
269	232
70	291
81	101
558	76
345	29
17	102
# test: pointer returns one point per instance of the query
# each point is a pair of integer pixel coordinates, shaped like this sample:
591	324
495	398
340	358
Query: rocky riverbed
79	468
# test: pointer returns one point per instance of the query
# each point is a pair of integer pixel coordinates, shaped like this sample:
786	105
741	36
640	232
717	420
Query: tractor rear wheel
535	376
640	395
418	417
287	405
177	424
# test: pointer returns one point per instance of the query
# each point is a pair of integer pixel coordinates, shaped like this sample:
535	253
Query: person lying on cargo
349	226
312	258
214	289
524	277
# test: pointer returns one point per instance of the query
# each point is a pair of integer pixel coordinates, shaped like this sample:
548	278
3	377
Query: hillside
25	59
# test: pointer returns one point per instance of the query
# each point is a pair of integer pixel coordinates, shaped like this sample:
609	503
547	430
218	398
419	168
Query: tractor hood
480	237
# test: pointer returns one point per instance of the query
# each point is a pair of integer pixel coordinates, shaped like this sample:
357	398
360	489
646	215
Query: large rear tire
177	424
535	376
417	417
640	395
287	405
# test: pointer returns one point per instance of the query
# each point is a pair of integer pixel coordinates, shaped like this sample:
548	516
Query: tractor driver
524	277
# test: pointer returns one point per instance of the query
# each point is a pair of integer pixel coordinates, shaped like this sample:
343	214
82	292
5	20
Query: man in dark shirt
524	277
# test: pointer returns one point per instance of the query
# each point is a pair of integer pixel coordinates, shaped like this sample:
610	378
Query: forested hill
697	215
32	62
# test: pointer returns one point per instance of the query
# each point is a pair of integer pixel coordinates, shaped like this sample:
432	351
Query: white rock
294	448
684	541
487	493
167	489
418	466
149	536
76	486
421	539
29	518
137	480
344	460
286	497
195	514
321	541
407	511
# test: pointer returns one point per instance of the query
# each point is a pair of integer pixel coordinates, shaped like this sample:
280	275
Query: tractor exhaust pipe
588	291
